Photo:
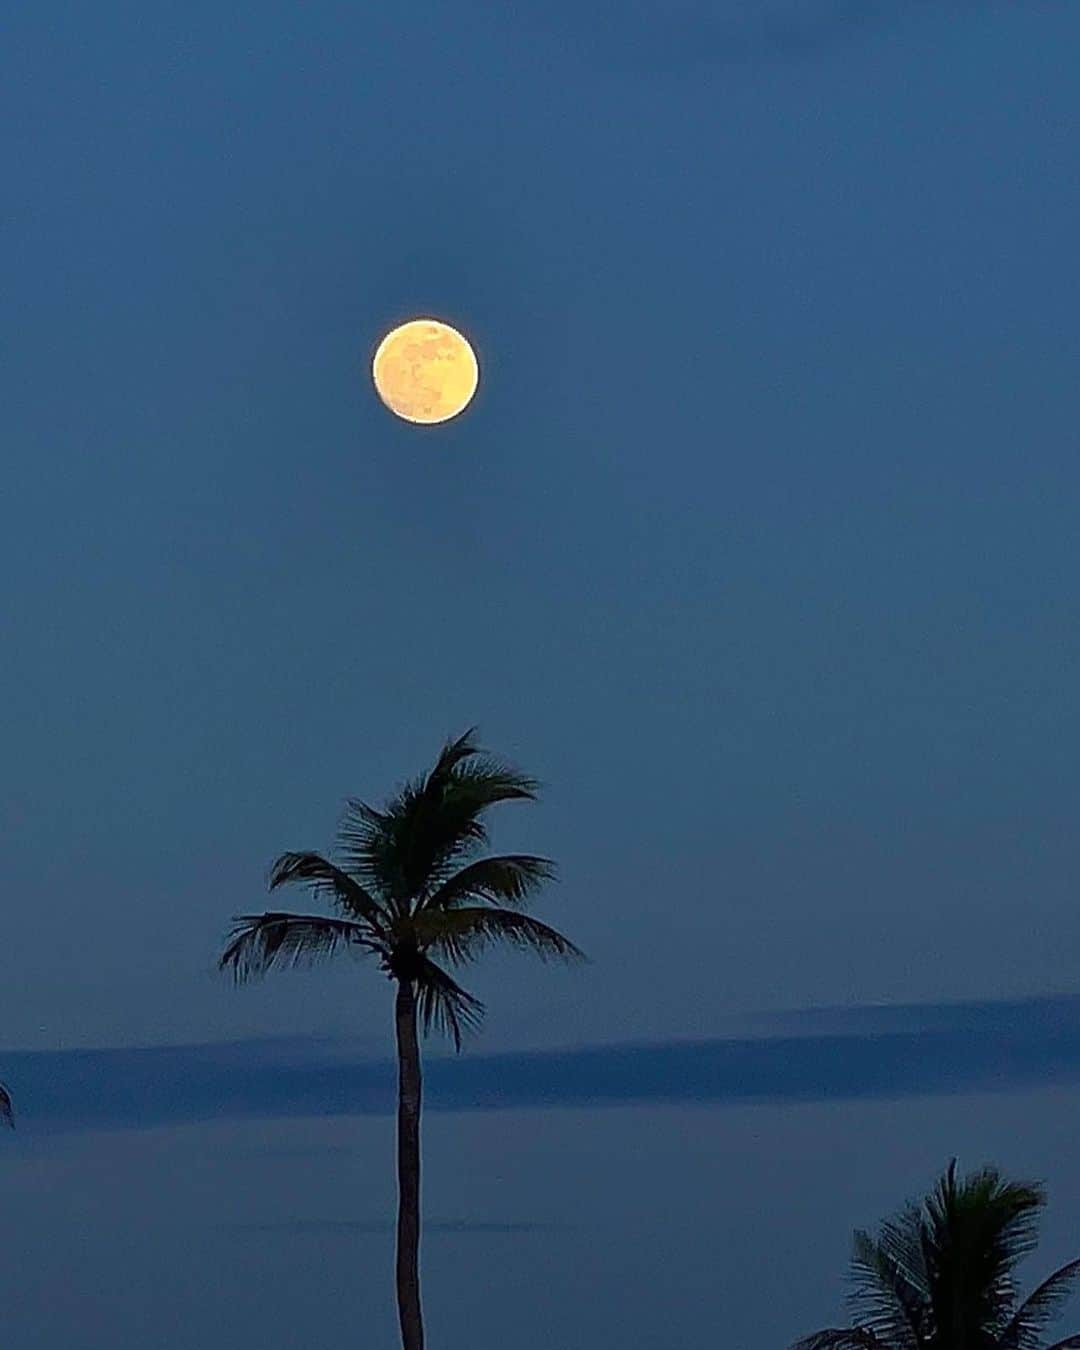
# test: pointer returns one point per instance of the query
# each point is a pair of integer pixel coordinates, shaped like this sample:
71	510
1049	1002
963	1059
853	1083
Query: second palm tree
940	1275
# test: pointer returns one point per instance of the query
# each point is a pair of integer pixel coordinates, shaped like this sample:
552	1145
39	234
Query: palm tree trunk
408	1145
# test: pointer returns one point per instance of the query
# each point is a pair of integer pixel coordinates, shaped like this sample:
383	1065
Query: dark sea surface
647	1197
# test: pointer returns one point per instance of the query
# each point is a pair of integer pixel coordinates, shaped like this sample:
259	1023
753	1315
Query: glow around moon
425	371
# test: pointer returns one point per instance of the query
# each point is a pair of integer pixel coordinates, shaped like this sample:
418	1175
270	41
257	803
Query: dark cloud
818	1055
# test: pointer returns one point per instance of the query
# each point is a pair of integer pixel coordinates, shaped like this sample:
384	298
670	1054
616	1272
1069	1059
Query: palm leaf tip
260	942
455	750
7	1114
1041	1307
443	1004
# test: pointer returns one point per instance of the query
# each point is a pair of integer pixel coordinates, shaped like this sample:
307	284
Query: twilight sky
759	547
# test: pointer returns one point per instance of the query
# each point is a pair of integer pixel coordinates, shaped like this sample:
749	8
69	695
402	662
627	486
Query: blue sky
758	545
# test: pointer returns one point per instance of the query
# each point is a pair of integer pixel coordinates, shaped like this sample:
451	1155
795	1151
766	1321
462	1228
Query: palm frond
885	1300
508	878
410	846
1039	1309
324	878
900	1241
975	1231
443	1004
464	765
7	1114
462	934
485	781
997	1216
941	1272
259	942
840	1338
367	846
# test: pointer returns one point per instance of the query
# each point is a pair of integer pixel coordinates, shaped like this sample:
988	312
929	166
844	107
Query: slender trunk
408	1147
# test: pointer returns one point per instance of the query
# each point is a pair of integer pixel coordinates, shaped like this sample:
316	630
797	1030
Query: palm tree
940	1274
7	1115
410	891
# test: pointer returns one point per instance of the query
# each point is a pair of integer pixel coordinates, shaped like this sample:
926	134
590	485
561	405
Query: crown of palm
939	1276
409	888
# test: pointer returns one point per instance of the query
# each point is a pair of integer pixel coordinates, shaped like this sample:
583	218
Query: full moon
425	371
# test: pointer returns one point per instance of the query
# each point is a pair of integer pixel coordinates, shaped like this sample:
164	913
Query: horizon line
778	1016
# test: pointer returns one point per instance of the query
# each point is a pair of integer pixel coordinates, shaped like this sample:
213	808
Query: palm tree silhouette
408	887
7	1115
939	1275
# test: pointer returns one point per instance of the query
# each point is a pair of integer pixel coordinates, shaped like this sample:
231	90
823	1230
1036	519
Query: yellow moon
425	371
